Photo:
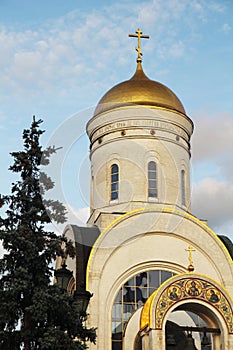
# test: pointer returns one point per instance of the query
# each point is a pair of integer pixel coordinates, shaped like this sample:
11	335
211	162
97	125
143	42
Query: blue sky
59	57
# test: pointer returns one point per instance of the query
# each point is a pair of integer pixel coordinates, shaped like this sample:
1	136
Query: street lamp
63	276
82	298
79	301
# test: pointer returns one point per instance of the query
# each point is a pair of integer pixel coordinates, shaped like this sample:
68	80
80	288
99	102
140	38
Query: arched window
183	187
114	181
152	180
131	296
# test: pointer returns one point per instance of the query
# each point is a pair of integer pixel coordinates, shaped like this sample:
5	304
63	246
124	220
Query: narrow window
152	180
114	181
183	187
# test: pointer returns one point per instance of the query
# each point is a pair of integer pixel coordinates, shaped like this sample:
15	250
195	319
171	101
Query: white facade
146	228
150	239
131	138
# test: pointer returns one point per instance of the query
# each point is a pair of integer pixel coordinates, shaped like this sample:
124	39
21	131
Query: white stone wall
148	240
154	234
144	135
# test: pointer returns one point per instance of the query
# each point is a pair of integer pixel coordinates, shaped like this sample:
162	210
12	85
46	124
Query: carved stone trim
193	288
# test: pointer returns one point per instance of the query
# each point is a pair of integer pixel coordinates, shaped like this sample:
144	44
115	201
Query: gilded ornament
138	48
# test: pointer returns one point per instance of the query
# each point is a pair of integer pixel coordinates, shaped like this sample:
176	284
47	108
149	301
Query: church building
161	278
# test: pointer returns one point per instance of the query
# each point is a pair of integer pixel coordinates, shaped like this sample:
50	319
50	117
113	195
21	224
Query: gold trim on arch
185	287
144	209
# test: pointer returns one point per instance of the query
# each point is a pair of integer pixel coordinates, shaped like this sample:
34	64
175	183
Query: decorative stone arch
164	234
187	292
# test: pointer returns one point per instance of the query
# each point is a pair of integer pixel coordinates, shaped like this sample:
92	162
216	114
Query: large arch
148	239
191	293
165	221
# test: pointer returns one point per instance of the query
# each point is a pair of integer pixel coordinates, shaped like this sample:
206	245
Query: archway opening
193	326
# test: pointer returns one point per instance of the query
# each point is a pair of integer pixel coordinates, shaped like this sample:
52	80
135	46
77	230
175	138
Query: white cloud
45	60
197	6
214	200
78	216
226	28
212	142
217	7
27	65
62	56
177	50
212	150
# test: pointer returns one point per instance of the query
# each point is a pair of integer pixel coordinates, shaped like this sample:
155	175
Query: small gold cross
190	249
139	36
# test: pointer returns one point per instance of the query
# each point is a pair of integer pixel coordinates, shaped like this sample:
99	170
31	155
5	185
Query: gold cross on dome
190	249
139	36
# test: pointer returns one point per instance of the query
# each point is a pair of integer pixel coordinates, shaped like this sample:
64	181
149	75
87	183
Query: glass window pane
114	186
114	195
154	279
117	345
114	177
152	175
141	294
152	184
128	309
141	279
131	282
165	276
119	297
115	326
152	193
114	181
117	339
151	290
128	294
152	166
114	168
132	295
183	187
152	180
117	312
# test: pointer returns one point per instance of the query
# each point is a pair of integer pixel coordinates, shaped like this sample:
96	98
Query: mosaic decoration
193	288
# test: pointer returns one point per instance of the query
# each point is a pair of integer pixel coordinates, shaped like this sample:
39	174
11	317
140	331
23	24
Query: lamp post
63	276
79	301
81	296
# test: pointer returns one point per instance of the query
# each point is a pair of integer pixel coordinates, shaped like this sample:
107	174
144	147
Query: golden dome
139	90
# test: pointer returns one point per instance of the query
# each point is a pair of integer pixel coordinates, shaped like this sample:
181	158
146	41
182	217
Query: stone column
230	342
157	340
145	342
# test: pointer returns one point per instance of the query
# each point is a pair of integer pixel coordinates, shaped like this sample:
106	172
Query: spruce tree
35	313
